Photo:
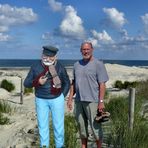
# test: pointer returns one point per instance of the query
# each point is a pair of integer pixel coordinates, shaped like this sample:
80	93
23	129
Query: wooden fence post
131	107
22	91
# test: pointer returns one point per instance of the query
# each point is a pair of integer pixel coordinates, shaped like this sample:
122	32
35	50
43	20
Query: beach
23	118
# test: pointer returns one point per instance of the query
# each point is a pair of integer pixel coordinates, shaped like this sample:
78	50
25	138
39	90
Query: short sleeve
102	75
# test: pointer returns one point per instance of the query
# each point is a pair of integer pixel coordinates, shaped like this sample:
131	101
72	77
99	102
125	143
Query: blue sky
118	29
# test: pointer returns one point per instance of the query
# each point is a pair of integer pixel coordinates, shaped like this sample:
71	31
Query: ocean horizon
28	62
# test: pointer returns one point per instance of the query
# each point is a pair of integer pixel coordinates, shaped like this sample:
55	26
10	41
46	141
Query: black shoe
102	116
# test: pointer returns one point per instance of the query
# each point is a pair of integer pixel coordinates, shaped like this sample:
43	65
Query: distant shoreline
13	68
67	67
25	68
7	63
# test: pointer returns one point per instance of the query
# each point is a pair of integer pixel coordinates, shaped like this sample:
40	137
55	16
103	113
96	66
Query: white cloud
13	16
55	6
125	36
145	22
94	42
141	42
103	37
123	33
72	24
100	39
3	28
145	19
115	17
4	37
46	36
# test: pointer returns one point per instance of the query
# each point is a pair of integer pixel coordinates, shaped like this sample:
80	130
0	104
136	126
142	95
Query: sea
5	63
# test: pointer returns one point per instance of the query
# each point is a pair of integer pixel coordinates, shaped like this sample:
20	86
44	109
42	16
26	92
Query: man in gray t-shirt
87	76
89	85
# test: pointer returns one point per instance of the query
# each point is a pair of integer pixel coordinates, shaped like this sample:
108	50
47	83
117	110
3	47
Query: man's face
87	51
48	60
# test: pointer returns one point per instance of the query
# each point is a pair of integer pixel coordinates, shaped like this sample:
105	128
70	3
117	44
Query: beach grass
70	133
4	108
120	133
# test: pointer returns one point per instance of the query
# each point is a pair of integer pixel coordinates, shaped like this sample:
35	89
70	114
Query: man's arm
102	89
71	94
28	82
65	82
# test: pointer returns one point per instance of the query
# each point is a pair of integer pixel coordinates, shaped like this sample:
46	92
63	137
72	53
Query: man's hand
101	106
42	80
102	89
70	104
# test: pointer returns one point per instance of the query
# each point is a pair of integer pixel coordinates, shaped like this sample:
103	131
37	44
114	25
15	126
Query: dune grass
70	133
121	136
4	108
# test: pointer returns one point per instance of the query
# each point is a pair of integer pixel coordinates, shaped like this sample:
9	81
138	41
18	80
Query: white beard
47	63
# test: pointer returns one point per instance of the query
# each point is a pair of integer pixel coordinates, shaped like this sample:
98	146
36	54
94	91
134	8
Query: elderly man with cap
51	83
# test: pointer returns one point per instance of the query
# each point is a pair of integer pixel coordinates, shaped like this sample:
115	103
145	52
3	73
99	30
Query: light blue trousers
43	109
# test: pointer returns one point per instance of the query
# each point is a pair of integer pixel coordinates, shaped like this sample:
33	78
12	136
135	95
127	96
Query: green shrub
135	84
7	85
118	84
130	84
125	85
28	90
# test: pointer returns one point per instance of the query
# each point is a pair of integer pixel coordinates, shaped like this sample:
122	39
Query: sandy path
22	120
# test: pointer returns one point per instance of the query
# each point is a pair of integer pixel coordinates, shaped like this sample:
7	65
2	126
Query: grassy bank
121	136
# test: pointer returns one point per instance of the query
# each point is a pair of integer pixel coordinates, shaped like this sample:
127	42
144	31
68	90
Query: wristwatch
101	101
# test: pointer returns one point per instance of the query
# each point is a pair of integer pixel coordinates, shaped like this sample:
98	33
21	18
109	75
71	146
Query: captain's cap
50	50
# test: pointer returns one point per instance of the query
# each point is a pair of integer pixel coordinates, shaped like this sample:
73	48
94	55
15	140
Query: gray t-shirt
87	77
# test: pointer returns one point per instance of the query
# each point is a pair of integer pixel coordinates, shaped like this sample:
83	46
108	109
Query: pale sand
125	73
23	118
